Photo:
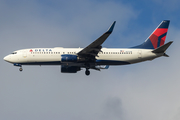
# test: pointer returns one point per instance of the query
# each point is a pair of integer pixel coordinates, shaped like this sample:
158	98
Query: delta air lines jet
94	56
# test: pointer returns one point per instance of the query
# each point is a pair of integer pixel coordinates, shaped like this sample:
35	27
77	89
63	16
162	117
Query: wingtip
111	27
165	55
171	41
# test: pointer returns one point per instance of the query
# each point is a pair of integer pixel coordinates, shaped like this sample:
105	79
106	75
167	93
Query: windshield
14	53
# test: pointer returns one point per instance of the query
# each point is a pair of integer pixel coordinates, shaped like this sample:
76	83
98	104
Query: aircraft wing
91	51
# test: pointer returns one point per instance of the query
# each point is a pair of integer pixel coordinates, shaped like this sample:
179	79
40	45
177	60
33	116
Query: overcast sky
143	91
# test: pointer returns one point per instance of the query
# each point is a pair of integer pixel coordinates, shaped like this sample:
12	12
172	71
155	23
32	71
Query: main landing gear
87	66
87	72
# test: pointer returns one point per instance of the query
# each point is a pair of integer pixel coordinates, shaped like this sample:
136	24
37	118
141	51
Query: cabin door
139	54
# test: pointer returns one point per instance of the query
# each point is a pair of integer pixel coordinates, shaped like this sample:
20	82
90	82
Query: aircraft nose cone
7	58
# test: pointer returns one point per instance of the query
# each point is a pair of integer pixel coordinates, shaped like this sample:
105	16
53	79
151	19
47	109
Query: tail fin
157	38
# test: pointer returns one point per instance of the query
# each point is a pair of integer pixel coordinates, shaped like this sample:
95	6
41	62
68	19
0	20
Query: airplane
94	56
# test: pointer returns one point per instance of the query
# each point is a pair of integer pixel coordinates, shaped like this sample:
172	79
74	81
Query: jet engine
68	58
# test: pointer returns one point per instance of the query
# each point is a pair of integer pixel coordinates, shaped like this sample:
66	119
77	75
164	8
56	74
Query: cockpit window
14	53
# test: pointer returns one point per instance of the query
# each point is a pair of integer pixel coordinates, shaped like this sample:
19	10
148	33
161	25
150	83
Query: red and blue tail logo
157	38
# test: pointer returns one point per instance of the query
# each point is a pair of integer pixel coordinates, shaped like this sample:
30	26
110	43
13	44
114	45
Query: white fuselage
94	56
107	56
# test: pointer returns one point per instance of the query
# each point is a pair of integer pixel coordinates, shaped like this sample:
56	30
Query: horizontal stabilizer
162	48
165	55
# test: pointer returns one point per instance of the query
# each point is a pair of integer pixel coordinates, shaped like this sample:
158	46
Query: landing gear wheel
20	69
87	72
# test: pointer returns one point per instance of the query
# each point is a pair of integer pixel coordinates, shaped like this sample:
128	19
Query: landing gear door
139	54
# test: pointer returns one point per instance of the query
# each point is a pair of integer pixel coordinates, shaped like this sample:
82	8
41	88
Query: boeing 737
94	56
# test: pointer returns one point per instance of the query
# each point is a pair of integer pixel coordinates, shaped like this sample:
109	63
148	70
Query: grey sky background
143	91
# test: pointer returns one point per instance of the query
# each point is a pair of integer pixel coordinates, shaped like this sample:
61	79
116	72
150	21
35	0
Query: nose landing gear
20	69
87	72
18	65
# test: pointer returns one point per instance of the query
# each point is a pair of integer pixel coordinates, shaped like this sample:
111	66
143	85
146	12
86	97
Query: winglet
93	49
111	28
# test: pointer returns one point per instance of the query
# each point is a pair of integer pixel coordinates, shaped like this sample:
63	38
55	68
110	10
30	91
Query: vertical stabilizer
157	38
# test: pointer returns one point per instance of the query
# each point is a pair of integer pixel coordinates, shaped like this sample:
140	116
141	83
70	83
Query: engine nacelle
69	69
102	66
68	58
